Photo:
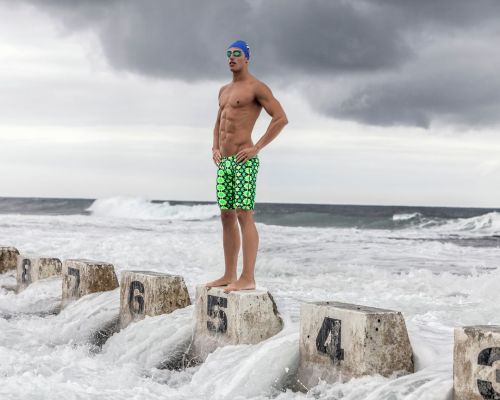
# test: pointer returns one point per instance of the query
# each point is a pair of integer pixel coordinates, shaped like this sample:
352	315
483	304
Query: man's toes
229	288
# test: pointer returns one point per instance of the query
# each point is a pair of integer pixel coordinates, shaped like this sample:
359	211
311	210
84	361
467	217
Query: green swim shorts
236	183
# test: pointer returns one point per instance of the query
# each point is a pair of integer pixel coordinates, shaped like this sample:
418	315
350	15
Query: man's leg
250	238
231	242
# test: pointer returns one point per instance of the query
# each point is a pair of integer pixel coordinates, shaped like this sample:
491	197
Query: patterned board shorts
236	183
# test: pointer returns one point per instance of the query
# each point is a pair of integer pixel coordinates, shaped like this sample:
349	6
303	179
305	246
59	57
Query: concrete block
82	277
240	317
476	363
32	268
150	293
8	258
340	341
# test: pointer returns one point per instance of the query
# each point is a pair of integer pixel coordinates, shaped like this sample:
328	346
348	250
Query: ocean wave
406	216
141	208
486	224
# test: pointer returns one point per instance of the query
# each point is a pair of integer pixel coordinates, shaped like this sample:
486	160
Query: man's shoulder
260	87
223	87
258	83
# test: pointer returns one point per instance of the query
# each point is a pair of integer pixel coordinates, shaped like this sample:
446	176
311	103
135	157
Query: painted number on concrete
487	357
328	339
26	271
136	301
217	319
76	274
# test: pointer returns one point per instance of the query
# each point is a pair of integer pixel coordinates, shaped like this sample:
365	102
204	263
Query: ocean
439	266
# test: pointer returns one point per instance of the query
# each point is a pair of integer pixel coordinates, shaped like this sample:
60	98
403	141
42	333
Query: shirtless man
235	154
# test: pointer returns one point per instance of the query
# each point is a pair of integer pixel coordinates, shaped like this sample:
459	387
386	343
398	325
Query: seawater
439	266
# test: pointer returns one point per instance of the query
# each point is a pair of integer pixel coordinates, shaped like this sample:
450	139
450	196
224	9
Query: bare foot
240	284
220	282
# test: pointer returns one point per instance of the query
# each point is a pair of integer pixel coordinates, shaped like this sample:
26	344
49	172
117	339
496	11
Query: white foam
151	341
141	208
436	284
74	325
406	216
486	225
256	370
42	296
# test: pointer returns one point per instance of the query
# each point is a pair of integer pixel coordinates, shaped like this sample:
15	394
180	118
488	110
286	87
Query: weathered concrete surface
46	267
81	277
340	341
8	258
246	316
150	293
476	363
32	268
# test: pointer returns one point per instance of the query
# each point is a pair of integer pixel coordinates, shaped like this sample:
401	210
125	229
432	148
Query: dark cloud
459	92
187	39
446	13
368	50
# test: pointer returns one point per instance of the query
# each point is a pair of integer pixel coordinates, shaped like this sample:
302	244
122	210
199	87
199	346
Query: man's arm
272	106
215	145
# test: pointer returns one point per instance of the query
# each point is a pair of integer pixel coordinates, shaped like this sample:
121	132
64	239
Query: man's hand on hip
245	154
216	156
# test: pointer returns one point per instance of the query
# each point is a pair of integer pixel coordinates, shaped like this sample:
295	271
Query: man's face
236	63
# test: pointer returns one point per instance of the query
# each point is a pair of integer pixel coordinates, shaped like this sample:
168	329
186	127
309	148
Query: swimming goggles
236	53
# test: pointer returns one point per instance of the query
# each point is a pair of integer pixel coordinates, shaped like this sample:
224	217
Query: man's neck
240	76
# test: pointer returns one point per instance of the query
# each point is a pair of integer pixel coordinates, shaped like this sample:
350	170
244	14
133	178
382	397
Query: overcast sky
388	101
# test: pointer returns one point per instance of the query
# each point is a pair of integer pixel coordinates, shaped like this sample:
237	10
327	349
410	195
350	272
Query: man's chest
237	97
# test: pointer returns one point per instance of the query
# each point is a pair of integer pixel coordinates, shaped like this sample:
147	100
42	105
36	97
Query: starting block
340	341
238	317
81	277
150	293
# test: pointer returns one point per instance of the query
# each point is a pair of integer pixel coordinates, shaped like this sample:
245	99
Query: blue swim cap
241	44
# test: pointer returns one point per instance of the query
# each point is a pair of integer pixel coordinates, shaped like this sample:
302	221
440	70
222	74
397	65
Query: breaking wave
141	208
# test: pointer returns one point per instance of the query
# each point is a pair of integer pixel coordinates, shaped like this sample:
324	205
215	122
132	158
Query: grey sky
389	102
392	61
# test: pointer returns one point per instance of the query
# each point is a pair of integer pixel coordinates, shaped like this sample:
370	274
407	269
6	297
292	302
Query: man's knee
244	216
228	217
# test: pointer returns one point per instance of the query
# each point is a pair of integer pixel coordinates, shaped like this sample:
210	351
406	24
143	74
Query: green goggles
236	53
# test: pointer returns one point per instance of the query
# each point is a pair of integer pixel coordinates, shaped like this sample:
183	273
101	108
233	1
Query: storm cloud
379	62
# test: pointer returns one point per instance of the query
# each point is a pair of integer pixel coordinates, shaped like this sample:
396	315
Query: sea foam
142	208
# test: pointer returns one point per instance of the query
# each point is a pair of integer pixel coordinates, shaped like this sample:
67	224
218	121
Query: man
234	153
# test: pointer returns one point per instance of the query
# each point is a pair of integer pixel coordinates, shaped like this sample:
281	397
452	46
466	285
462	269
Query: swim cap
241	44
